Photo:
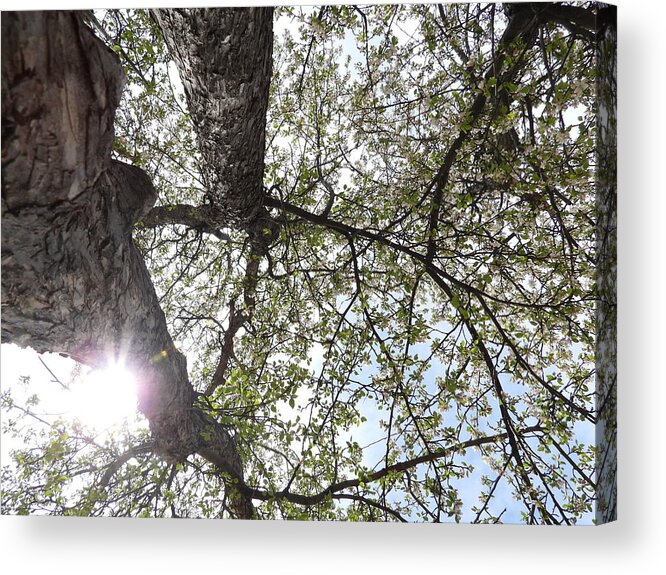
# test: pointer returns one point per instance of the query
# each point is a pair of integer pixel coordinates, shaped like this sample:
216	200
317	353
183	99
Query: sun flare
105	396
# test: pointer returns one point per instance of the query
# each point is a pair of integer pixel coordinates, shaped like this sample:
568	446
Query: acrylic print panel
342	263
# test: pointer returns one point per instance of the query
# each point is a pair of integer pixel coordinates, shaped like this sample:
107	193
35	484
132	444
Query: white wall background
635	542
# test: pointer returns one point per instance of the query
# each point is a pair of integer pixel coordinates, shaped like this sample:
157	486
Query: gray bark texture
72	280
606	316
226	77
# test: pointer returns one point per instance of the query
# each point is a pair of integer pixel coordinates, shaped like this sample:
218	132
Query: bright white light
104	397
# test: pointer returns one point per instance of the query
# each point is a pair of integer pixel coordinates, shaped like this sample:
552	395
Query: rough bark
226	79
72	280
56	148
205	219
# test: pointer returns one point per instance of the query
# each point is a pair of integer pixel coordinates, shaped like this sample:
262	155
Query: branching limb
237	319
399	467
201	218
113	468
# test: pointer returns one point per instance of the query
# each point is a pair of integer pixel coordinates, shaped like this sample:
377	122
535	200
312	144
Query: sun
104	397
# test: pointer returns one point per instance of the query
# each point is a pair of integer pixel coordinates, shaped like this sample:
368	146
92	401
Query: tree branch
379	237
113	468
237	319
377	475
205	219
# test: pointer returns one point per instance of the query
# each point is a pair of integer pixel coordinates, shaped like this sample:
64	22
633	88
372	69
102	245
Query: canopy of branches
413	338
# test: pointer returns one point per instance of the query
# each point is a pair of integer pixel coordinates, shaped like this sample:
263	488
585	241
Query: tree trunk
72	280
226	77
